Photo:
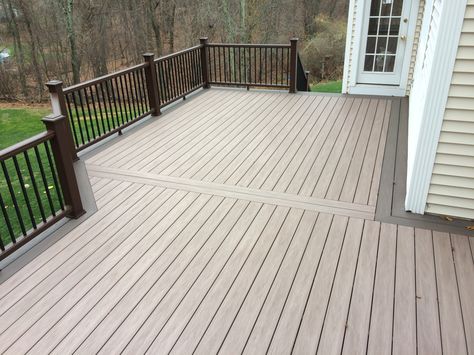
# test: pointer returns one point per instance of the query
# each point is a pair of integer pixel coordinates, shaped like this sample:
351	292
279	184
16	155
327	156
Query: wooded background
76	40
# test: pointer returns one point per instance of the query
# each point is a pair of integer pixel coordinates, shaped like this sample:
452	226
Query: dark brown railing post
60	144
58	103
204	61
293	58
152	84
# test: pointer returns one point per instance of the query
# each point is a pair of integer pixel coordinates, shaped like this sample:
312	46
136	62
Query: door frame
354	47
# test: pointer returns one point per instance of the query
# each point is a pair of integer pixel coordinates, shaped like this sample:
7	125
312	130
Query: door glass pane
375	8
373	26
386	8
389	63
392	45
371	44
369	63
395	26
397	8
382	45
382	39
379	63
384	26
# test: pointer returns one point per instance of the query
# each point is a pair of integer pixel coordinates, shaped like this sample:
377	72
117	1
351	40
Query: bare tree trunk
171	26
311	8
34	51
68	8
155	25
13	26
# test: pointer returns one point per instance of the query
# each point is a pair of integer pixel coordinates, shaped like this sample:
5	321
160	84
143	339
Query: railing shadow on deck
86	113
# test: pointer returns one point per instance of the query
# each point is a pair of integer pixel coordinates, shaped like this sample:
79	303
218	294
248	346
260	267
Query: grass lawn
328	86
17	124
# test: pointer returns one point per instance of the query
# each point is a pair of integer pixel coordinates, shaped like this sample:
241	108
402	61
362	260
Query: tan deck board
229	138
313	317
242	222
241	165
165	124
352	177
229	307
381	319
332	334
277	334
232	148
450	314
185	139
358	319
212	137
197	322
465	276
270	287
427	313
404	322
166	129
374	188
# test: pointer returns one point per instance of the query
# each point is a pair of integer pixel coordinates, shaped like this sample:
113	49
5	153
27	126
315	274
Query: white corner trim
347	52
440	75
415	5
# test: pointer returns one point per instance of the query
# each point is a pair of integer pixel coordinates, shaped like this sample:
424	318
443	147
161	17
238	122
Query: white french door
383	41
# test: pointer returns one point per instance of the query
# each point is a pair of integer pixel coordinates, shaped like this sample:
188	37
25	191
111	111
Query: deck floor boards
243	222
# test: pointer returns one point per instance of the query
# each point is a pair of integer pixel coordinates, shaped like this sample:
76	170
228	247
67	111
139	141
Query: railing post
308	88
152	84
204	61
293	58
64	164
58	103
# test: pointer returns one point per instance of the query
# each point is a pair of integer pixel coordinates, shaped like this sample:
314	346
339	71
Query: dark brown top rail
176	54
246	45
103	78
25	145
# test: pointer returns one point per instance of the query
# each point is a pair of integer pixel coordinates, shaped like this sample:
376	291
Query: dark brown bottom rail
112	132
272	86
12	247
182	96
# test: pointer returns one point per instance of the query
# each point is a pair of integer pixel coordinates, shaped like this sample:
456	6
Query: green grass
329	86
17	124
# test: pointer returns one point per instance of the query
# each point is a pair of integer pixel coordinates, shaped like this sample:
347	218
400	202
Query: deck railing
249	65
179	74
39	186
104	106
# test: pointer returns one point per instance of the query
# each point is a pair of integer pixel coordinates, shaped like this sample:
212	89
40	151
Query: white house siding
451	190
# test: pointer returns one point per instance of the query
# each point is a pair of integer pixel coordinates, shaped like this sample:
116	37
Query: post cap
148	55
53	84
294	39
204	39
52	118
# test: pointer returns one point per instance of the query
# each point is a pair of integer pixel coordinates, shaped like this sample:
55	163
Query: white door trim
435	98
354	46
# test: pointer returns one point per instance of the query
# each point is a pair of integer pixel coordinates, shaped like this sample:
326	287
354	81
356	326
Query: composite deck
243	222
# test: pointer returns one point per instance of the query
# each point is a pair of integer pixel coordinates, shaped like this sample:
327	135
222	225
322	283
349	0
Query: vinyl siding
451	189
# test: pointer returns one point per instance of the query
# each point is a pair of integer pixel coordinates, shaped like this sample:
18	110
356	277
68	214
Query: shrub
323	53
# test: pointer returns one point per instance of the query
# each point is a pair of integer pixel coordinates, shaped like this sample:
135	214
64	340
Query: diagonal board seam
271	197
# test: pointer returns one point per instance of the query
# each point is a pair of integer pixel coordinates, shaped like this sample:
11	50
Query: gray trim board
390	203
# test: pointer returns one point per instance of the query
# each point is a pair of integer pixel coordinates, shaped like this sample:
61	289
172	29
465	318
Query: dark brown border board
391	198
